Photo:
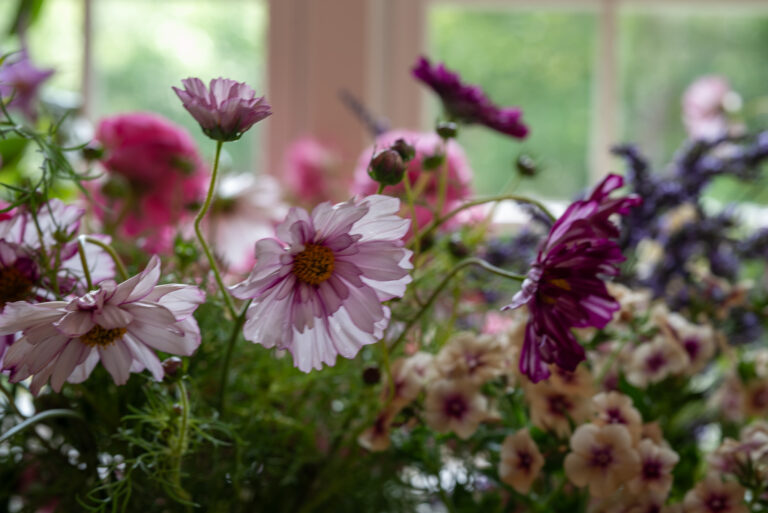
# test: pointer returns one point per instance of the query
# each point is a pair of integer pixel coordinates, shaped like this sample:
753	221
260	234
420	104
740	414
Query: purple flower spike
467	103
564	289
20	81
227	110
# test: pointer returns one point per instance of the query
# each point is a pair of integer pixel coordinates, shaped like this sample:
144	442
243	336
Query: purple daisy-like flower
468	103
564	288
226	110
20	80
318	290
120	325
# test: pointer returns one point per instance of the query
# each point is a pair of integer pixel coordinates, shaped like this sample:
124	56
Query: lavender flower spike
468	103
227	110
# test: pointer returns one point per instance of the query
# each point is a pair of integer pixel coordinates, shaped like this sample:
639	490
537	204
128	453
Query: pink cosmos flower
459	185
21	80
156	178
225	111
117	324
318	289
564	288
468	103
311	171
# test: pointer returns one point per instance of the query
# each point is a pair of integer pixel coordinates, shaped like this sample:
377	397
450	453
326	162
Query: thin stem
200	215
521	199
84	261
239	321
47	414
11	401
181	443
112	253
414	222
442	181
381	188
453	272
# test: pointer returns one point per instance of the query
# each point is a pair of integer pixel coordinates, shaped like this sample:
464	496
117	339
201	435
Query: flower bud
432	162
93	151
387	167
447	129
171	366
371	375
526	166
406	151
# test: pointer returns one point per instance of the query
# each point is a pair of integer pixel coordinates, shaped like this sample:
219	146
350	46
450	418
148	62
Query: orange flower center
14	286
98	336
314	265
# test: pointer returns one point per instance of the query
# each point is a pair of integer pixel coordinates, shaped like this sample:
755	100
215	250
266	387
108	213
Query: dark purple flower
20	81
467	103
225	111
564	288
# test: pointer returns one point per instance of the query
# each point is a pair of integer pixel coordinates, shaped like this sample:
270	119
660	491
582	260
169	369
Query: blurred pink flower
427	145
247	208
704	107
226	110
21	80
318	288
156	178
310	171
120	324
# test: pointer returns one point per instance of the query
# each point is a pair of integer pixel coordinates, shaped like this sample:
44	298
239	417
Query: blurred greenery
543	61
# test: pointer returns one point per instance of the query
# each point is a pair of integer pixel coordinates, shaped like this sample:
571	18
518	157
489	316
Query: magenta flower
564	288
156	178
318	290
21	80
120	325
468	103
227	110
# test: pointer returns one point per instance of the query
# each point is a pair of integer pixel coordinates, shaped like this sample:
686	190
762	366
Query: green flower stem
84	261
198	219
239	321
453	272
44	252
112	253
47	414
181	441
381	188
442	181
438	221
416	243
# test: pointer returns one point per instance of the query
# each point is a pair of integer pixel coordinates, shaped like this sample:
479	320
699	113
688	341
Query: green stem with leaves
207	250
239	321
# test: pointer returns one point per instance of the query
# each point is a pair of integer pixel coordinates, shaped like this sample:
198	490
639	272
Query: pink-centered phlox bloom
121	325
20	81
247	208
424	183
155	178
468	103
311	171
318	288
564	288
226	109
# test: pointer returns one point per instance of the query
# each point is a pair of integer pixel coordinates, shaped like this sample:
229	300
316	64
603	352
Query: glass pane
538	60
143	47
664	49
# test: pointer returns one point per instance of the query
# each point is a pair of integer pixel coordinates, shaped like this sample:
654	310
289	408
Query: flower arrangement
153	359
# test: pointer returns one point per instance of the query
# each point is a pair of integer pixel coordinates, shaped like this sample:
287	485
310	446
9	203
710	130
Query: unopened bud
171	366
371	375
387	167
432	162
405	150
525	165
93	151
447	129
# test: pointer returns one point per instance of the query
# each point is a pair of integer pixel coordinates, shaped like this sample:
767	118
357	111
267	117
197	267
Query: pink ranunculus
459	184
159	174
310	174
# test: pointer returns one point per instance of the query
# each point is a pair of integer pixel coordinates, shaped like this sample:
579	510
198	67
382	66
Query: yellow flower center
314	265
14	286
98	336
